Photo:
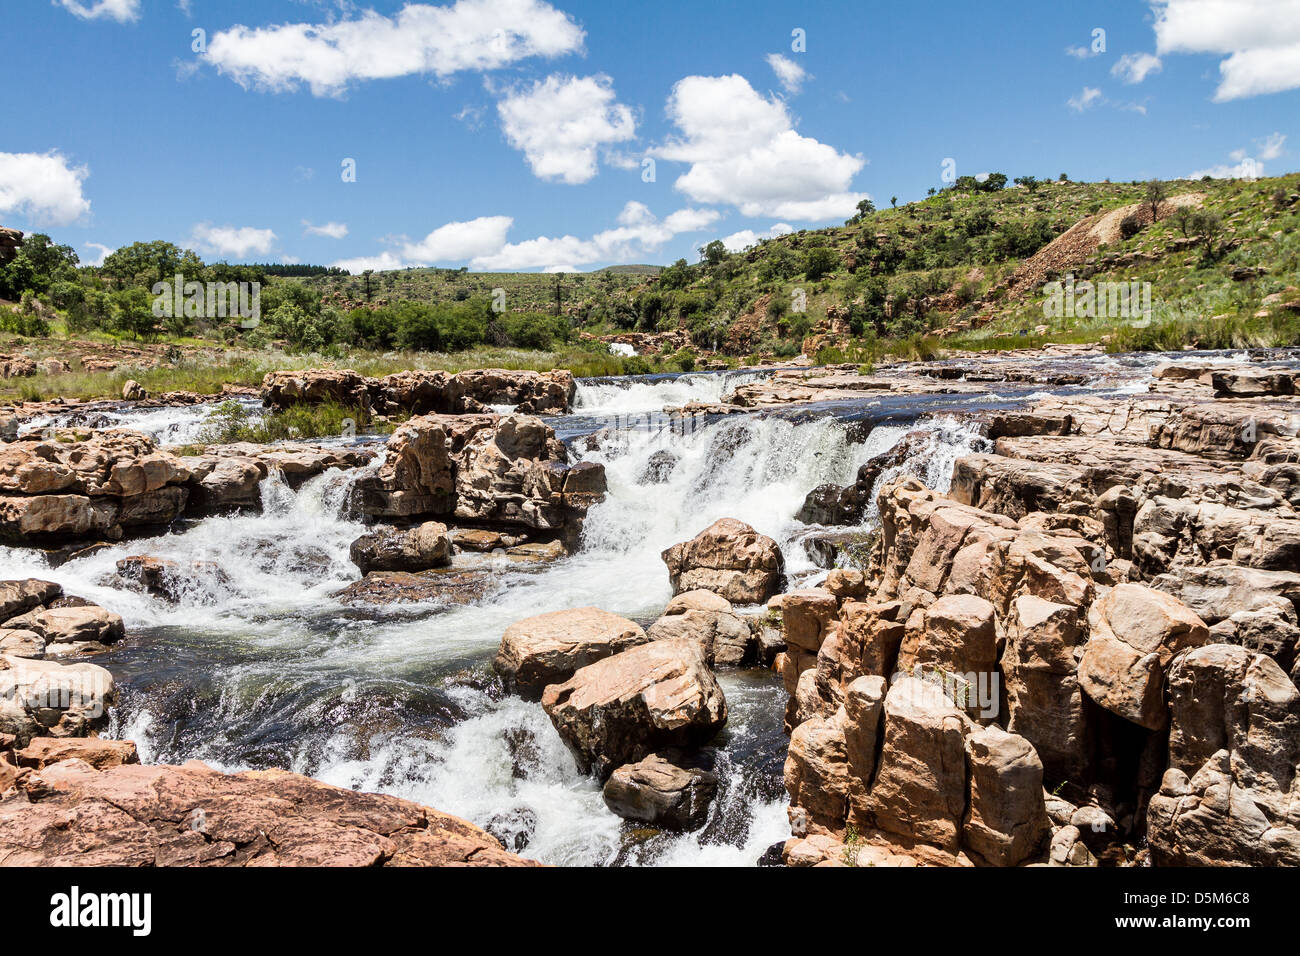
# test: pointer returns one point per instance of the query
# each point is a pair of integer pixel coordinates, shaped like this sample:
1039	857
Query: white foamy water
632	395
172	425
258	664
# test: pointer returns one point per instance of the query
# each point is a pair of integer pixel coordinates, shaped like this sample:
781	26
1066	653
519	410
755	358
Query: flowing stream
259	665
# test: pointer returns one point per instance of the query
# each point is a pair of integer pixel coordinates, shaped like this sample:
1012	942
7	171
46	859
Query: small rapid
257	662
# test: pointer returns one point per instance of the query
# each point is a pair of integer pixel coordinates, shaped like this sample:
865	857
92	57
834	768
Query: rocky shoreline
1084	653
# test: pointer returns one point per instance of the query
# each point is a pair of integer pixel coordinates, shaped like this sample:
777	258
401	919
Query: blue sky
513	134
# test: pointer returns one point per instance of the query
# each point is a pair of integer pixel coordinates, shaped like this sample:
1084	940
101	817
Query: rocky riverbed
997	610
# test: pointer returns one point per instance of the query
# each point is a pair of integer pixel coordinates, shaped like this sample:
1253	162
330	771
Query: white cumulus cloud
1136	67
560	122
638	233
473	35
742	240
43	187
743	151
1259	40
329	230
1087	98
457	241
102	252
1243	165
790	74
236	242
123	11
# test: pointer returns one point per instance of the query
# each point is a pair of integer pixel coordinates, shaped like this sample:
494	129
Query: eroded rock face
706	619
1006	823
920	787
40	698
418	392
37	620
671	790
1134	634
483	469
71	814
549	648
728	558
419	548
620	709
75	484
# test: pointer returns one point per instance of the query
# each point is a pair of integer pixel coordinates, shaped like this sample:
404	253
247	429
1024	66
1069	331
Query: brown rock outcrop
622	708
71	814
728	558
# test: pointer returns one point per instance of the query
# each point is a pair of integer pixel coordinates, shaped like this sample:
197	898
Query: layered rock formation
92	804
69	484
481	470
1106	605
416	392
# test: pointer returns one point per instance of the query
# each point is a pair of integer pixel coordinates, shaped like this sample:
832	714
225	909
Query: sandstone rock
1211	820
130	815
729	558
864	710
706	619
100	753
817	769
417	476
920	787
419	548
620	709
1007	822
1040	665
133	391
670	790
1134	633
86	623
957	636
19	597
46	699
549	648
74	483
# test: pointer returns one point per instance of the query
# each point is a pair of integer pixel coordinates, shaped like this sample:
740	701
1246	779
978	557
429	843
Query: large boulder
549	648
817	774
1006	823
729	558
71	814
671	790
1134	634
41	698
920	786
1040	665
409	549
621	709
70	484
707	620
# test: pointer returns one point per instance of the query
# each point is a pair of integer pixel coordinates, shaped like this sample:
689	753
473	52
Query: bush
1130	226
819	262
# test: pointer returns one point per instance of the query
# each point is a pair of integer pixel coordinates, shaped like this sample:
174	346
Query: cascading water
257	663
169	425
627	396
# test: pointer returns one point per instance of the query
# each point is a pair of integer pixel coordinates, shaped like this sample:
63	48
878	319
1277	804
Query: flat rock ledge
69	813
